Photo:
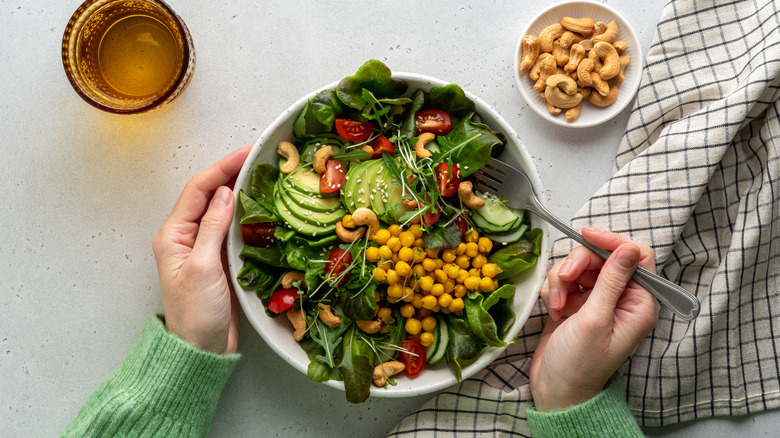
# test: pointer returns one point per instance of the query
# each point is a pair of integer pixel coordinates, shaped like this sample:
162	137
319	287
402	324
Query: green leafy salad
369	237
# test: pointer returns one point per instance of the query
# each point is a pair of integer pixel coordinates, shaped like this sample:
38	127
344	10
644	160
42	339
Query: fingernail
555	297
565	268
221	197
628	257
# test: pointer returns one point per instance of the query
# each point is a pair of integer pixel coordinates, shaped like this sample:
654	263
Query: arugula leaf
409	125
452	100
355	366
318	371
373	76
328	338
519	256
464	345
440	237
253	211
468	145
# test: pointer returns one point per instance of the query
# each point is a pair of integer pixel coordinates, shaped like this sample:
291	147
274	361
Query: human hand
590	333
198	301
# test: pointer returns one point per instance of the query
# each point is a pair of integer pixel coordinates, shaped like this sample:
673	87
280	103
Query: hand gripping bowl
277	332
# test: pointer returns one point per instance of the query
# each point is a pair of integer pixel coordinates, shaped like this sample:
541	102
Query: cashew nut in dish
347	235
467	196
584	91
559	98
327	317
565	83
583	72
321	158
364	216
369	327
560	54
576	55
580	25
298	319
554	110
548	35
598	28
624	60
290	152
570	38
609	58
422	140
291	277
534	72
385	370
602	101
573	113
599	84
620	46
530	45
596	60
368	149
609	35
548	69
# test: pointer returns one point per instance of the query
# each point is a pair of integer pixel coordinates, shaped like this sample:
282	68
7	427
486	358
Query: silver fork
513	185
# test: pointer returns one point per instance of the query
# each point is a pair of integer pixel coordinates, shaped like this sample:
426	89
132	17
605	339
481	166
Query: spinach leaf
300	252
261	183
270	256
373	76
452	100
318	115
359	303
468	145
283	234
355	366
318	371
479	318
255	275
441	237
253	211
464	346
409	125
519	256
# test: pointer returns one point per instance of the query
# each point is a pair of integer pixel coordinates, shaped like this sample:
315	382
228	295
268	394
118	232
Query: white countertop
83	192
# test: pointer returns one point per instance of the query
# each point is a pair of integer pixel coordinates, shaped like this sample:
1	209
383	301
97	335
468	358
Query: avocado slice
314	202
363	185
394	209
309	216
377	187
297	224
350	181
306	180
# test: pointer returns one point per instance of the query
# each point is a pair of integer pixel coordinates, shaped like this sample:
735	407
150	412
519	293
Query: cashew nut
298	320
369	327
321	157
620	46
596	61
573	113
290	152
364	216
610	59
624	60
570	38
349	236
609	35
598	28
560	54
548	35
327	317
422	140
548	69
467	196
602	101
385	370
565	83
410	203
534	73
576	55
368	149
580	25
290	277
599	84
559	98
530	45
583	72
554	110
584	91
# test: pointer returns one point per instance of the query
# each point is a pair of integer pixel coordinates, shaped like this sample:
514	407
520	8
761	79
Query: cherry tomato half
430	218
282	300
333	178
415	361
351	130
259	235
460	221
448	177
434	121
382	144
338	261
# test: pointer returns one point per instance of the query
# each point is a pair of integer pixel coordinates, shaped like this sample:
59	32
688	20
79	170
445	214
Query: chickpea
347	221
426	283
486	284
445	300
407	311
449	286
413	326
394	230
429	265
381	236
452	271
461	249
372	254
437	289
440	276
423	313
463	261
385	252
474	272
386	315
429	324
457	305
402	268
439	263
460	291
478	261
417	301
419	243
448	255
462	276
408	296
418	270
392	276
473	236
472	249
395	290
407	239
394	243
406	254
380	275
429	302
471	283
484	244
432	253
426	339
416	231
419	255
489	270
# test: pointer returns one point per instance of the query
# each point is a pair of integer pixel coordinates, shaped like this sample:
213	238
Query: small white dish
277	332
591	115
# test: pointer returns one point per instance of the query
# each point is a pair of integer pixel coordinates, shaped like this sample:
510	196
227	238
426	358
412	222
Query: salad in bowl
361	251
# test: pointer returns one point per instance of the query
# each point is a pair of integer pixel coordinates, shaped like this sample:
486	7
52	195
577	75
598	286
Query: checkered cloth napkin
697	177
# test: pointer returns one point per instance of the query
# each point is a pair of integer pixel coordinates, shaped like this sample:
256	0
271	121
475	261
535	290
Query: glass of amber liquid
127	56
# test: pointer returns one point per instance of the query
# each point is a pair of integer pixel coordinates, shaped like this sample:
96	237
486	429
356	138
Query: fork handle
680	301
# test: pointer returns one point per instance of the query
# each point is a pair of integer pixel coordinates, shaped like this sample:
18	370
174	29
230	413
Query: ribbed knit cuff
605	415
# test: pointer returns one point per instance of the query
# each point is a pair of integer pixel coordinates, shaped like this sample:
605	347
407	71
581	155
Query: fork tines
490	177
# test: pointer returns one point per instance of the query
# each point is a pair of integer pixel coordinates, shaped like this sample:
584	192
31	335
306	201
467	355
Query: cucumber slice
512	237
441	342
489	228
497	213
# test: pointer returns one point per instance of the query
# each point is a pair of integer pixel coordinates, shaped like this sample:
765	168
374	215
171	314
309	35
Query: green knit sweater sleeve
164	387
604	415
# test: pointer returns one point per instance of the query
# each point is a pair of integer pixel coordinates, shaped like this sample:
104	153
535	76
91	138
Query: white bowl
277	332
591	115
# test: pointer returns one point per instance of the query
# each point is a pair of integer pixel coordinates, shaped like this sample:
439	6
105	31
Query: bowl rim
488	354
559	120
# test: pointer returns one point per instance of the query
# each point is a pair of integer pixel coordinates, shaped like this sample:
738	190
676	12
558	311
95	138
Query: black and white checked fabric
697	177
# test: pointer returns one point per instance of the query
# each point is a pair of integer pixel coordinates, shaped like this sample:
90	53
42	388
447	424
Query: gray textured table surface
83	192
